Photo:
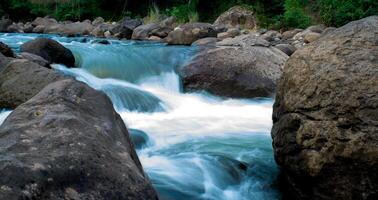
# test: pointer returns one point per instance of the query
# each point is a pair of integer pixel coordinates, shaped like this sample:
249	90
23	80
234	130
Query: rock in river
21	79
241	67
50	50
325	133
67	142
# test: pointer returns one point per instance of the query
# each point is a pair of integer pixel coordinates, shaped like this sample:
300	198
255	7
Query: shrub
340	12
295	15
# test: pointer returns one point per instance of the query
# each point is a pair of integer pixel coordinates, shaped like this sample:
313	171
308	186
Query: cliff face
325	133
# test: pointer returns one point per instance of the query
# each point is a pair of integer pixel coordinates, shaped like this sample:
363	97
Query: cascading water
192	146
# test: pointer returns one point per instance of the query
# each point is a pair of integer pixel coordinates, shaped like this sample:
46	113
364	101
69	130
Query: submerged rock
325	116
240	67
20	80
67	142
50	50
139	138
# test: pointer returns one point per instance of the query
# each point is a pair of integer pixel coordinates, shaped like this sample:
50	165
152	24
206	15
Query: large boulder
40	24
125	27
143	32
325	133
241	67
237	17
188	33
67	142
6	50
21	79
50	50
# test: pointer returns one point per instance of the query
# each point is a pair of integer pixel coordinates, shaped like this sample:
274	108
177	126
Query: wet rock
105	42
21	79
67	142
237	17
189	33
6	50
50	50
236	68
325	116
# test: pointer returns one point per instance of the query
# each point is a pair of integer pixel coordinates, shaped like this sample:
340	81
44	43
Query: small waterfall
192	146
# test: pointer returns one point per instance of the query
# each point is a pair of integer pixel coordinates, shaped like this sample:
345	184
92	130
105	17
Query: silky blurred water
193	145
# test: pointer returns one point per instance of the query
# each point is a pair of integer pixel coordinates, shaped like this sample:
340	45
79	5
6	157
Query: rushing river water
192	145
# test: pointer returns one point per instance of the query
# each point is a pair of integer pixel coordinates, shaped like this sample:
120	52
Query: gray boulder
325	116
188	33
143	32
67	142
50	50
125	28
21	79
236	68
237	17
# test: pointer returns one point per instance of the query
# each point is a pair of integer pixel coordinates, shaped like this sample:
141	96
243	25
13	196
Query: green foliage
270	13
295	15
185	12
340	12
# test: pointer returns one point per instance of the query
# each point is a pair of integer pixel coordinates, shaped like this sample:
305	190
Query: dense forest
271	13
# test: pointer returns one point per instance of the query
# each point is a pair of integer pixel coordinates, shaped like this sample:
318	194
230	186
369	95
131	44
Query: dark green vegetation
270	13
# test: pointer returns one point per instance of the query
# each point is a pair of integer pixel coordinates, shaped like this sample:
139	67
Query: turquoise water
193	145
